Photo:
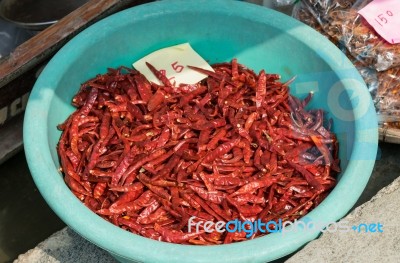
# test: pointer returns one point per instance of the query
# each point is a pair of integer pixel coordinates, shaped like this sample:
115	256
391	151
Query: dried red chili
236	145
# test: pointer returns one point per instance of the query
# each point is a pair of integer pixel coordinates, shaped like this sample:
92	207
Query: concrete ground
362	245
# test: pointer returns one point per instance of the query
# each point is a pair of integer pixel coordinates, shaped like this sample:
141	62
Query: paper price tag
172	62
384	17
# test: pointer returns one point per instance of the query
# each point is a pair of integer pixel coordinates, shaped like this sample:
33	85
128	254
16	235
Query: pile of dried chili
237	145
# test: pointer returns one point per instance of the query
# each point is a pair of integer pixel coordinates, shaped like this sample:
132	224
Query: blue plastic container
219	30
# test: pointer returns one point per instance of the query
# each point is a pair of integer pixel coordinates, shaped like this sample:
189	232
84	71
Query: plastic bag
283	2
322	8
11	36
361	39
303	13
307	15
341	21
383	86
388	95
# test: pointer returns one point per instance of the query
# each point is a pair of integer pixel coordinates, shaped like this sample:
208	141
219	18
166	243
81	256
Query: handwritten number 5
176	67
382	18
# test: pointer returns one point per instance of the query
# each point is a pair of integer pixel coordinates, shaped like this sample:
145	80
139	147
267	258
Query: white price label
172	62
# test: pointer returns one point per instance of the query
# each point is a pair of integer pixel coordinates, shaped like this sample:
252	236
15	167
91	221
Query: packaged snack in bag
310	17
303	13
388	95
384	86
322	8
283	2
340	20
